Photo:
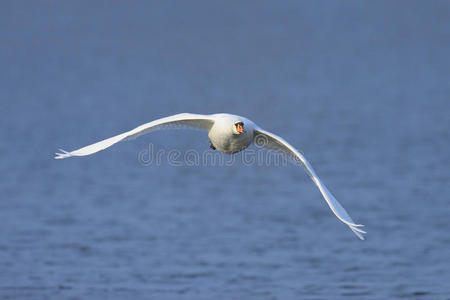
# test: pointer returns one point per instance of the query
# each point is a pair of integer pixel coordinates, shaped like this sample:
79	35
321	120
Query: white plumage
228	134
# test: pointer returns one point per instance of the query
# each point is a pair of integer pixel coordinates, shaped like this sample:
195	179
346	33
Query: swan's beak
240	128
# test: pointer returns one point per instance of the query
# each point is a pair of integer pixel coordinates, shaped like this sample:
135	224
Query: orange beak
240	128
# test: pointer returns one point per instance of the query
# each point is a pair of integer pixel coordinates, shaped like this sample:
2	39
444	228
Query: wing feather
274	142
184	120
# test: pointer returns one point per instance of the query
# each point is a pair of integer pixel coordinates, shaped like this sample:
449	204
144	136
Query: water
361	88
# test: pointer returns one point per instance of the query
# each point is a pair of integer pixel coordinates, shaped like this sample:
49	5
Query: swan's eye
239	127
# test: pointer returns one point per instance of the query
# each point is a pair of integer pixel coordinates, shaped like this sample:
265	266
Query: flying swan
228	134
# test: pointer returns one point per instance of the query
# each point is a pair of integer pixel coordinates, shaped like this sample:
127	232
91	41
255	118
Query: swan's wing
176	121
274	142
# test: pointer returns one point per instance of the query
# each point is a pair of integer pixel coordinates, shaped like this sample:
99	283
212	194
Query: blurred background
361	88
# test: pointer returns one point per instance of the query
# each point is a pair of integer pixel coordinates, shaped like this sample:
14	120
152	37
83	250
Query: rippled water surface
362	88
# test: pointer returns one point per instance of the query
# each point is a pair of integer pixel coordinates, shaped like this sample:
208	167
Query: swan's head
238	127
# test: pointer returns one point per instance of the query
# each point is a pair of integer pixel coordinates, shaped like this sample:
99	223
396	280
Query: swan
229	134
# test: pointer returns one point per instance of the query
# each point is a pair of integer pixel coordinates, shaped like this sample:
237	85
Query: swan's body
225	139
228	134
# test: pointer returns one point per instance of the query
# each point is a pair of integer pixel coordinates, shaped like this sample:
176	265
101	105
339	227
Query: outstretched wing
274	142
176	121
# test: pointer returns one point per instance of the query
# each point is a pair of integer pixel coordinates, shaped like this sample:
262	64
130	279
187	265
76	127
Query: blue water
362	88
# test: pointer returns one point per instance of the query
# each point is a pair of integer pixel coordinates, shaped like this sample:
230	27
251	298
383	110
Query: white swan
228	134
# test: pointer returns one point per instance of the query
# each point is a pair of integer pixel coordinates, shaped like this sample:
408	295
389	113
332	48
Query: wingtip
358	229
359	232
62	155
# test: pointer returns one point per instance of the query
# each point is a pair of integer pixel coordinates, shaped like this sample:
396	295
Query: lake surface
361	88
